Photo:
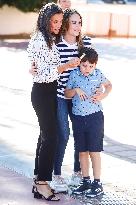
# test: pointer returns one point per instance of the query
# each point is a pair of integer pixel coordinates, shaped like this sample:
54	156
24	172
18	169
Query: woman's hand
33	69
82	95
73	62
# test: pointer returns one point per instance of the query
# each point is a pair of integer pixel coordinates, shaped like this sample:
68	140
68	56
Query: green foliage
26	5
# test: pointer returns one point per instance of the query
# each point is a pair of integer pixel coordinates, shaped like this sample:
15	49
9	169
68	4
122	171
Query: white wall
99	20
13	21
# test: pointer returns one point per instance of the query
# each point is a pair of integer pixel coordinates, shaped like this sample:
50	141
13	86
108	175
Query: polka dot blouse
47	60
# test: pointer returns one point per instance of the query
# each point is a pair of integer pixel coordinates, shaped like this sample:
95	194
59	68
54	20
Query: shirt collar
91	74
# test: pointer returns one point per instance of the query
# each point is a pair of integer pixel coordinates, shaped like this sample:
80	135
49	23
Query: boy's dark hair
90	55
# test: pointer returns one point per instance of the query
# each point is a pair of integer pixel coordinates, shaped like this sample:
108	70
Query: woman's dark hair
43	22
89	55
65	25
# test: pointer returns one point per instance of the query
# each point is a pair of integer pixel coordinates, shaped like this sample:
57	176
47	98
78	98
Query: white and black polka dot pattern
47	60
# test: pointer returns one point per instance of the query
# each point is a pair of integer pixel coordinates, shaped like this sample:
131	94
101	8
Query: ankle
41	183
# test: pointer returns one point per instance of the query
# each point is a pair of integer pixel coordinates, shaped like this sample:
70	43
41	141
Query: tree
26	5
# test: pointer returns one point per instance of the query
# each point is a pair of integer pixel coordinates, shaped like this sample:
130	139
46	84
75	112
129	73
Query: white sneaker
58	184
76	178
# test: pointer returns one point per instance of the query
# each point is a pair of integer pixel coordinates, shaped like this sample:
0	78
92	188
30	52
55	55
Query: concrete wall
98	20
13	21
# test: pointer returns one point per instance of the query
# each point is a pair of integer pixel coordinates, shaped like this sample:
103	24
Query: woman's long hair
65	25
43	22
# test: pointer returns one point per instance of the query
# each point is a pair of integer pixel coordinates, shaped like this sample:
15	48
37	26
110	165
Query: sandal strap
38	183
50	198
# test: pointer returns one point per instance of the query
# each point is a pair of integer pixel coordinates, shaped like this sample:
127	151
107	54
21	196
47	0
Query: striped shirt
67	52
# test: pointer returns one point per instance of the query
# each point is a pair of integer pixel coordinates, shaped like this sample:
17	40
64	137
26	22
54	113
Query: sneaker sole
92	196
60	190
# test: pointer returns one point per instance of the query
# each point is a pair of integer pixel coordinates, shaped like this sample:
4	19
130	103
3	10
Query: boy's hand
100	93
33	69
97	97
82	95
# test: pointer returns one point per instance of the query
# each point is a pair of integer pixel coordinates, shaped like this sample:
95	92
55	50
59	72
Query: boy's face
65	4
87	68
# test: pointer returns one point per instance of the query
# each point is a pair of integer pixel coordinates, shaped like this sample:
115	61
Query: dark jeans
63	111
43	99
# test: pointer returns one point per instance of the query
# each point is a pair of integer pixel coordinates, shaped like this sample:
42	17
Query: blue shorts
89	132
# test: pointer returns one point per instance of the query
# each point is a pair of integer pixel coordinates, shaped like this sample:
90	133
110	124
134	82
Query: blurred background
101	18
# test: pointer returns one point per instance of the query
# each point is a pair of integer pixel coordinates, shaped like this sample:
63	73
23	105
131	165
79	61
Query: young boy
87	86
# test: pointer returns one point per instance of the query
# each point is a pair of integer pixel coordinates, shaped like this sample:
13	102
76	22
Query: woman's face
65	4
74	25
55	23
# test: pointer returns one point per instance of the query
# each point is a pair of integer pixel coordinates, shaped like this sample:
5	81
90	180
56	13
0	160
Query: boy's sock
83	186
96	180
86	179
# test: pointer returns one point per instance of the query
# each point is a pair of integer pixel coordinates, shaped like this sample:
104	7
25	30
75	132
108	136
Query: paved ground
19	129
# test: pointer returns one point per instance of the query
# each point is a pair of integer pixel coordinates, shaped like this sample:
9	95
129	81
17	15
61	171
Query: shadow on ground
120	150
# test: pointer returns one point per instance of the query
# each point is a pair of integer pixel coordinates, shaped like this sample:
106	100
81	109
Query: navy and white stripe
67	52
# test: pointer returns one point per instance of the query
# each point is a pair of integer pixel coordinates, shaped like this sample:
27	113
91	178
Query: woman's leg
37	155
63	134
76	153
45	107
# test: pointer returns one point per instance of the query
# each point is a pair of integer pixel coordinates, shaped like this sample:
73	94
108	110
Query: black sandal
34	186
38	195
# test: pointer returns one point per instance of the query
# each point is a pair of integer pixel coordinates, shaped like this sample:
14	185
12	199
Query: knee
83	154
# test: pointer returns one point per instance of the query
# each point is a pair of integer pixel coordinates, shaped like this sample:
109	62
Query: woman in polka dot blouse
42	50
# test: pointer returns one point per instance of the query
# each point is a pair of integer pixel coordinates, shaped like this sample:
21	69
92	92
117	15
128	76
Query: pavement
19	128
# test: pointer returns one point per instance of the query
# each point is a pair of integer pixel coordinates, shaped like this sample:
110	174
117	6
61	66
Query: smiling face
75	25
87	68
65	4
55	23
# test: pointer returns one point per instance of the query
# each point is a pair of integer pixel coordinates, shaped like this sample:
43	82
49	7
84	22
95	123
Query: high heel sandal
34	186
39	195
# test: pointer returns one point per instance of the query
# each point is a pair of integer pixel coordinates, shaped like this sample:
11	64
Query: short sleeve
103	79
70	83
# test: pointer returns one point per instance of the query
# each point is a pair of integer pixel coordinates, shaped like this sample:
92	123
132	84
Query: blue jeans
63	111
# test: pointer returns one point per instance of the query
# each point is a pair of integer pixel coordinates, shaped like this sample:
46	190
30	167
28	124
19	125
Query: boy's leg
95	146
86	183
79	129
96	164
84	163
96	187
